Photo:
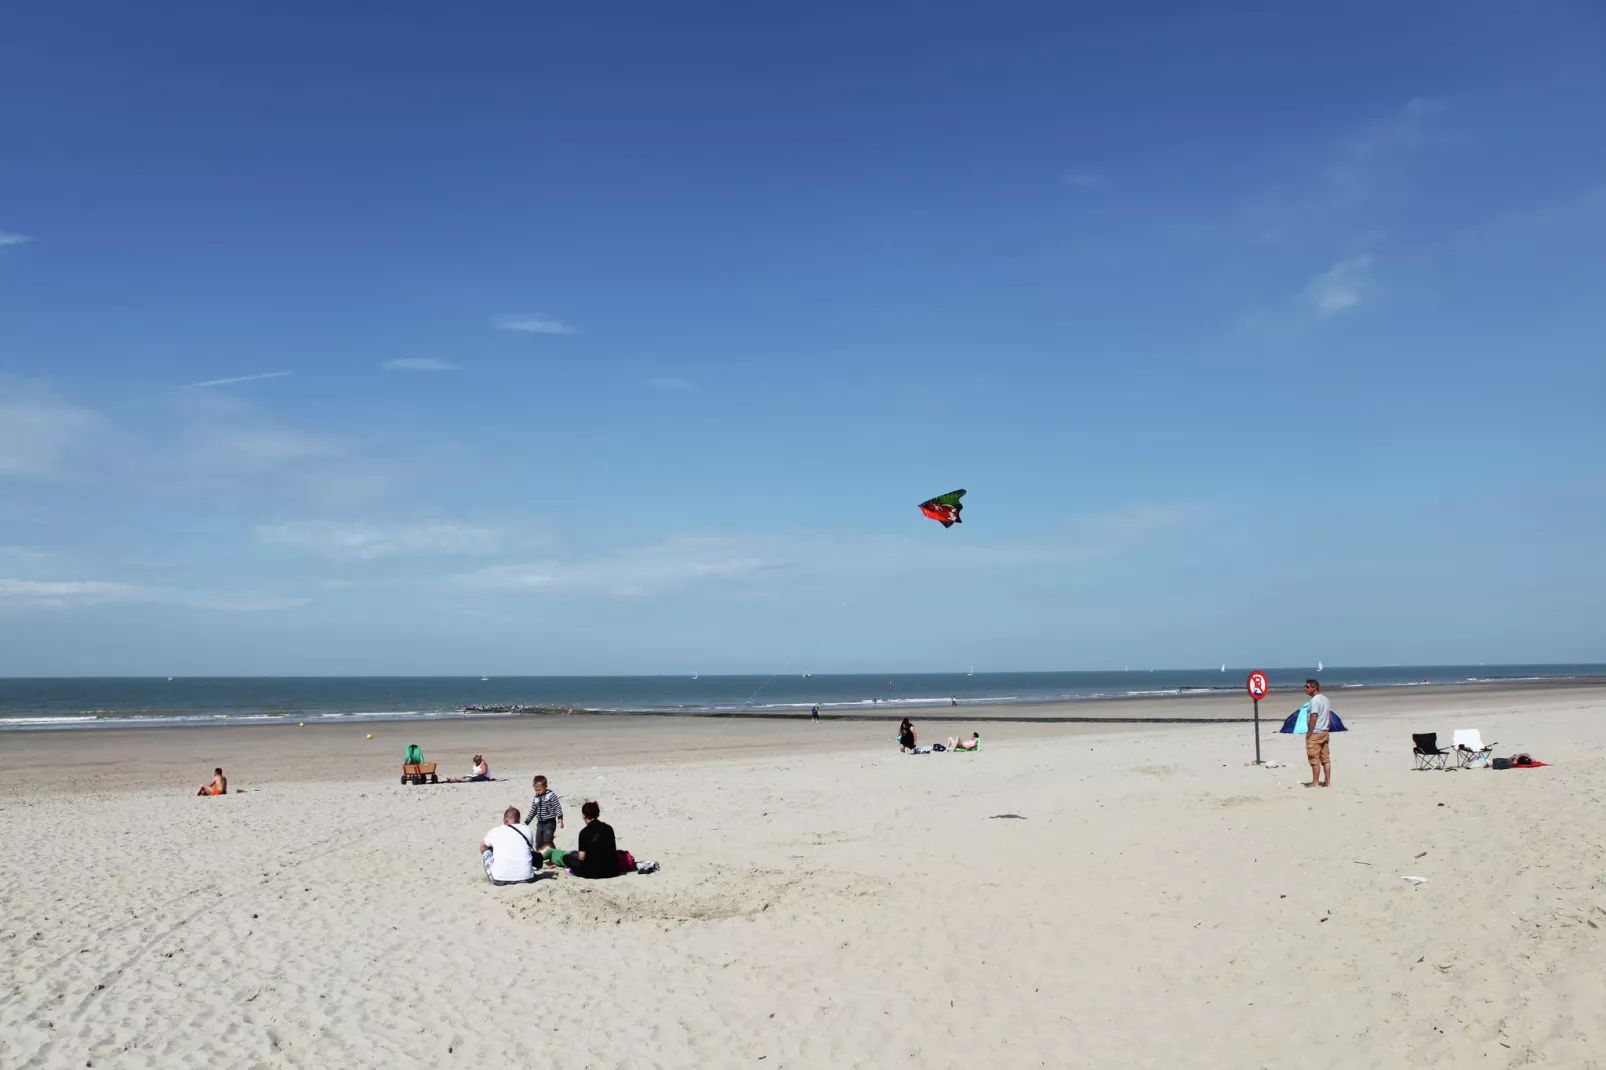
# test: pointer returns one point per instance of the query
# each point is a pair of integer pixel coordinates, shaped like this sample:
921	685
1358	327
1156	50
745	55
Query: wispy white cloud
37	429
1369	156
635	570
65	592
531	323
240	379
7	238
237	601
1342	286
418	364
1082	178
686	560
1338	193
367	542
220	449
255	450
680	385
58	594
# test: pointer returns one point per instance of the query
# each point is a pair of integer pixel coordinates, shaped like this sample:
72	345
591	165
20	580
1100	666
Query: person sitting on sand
218	786
906	736
508	852
598	854
973	743
482	771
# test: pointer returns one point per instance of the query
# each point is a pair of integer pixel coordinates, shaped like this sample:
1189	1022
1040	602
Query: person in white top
1318	720
482	771
508	851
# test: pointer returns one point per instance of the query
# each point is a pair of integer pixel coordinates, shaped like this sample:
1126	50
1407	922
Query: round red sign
1257	685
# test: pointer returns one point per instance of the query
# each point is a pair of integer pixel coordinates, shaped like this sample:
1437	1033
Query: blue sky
525	338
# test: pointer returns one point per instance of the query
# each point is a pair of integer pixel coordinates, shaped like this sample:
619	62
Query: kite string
792	658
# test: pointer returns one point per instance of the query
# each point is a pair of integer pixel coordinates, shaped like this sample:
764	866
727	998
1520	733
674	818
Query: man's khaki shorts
1316	748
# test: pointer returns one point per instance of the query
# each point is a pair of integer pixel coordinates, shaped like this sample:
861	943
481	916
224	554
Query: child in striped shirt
546	814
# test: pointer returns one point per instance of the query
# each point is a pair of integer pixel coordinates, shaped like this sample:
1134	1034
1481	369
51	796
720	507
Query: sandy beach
1083	895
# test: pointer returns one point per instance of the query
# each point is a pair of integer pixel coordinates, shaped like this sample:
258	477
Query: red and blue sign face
1258	686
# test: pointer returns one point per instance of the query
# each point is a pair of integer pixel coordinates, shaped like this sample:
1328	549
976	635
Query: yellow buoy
303	724
370	735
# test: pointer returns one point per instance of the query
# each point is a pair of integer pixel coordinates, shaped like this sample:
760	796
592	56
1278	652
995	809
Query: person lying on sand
482	771
973	743
218	786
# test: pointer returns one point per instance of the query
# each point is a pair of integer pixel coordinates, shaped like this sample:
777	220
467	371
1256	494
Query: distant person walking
1318	724
815	715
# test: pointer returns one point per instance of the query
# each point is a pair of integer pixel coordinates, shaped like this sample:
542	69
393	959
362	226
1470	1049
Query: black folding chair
1425	747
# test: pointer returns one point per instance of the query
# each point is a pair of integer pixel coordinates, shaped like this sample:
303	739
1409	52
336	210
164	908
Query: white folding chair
1468	745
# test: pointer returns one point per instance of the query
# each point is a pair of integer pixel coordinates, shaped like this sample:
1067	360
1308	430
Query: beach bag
1502	763
415	755
627	862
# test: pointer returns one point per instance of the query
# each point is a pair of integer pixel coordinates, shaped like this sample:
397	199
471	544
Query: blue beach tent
1296	721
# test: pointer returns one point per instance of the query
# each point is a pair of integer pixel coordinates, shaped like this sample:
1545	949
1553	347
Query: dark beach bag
1502	763
627	862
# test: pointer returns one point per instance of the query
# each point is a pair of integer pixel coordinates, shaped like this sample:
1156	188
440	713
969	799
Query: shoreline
1001	712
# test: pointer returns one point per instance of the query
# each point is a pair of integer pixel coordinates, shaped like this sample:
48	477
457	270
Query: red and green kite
944	508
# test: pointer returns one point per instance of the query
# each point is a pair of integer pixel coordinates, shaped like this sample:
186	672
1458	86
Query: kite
944	508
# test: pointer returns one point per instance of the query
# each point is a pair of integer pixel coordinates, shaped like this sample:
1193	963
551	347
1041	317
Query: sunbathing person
218	786
973	743
598	854
482	771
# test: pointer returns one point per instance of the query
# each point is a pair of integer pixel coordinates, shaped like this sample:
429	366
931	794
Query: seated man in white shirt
509	851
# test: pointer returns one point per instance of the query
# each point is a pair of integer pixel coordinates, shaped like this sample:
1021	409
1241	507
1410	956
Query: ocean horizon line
103	702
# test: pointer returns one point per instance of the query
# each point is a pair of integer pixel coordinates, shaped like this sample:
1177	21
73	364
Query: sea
87	703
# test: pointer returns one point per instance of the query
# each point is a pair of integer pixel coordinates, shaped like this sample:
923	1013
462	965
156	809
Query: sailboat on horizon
1318	665
972	671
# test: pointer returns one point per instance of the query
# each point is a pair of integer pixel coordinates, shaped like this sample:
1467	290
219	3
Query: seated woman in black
598	856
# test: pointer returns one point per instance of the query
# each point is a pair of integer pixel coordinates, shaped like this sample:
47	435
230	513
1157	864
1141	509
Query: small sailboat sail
1224	666
972	671
1318	665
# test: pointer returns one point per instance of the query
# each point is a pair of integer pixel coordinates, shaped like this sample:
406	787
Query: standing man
1318	723
816	714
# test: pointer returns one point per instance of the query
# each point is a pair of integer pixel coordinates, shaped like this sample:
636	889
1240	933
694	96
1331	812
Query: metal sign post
1257	691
